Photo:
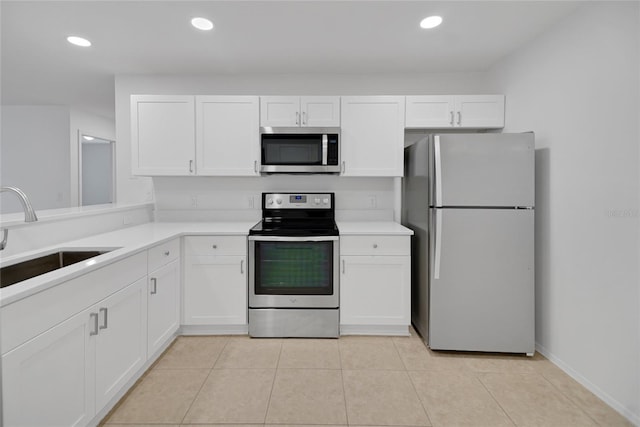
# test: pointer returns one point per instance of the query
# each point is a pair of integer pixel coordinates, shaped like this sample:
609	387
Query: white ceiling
250	37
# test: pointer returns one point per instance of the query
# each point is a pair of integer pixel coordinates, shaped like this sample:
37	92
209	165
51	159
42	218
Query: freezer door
483	169
481	280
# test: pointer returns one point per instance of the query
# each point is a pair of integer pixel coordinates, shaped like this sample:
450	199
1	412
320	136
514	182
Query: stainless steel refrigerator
469	198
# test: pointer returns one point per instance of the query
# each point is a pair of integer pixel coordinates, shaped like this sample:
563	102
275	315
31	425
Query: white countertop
128	241
348	228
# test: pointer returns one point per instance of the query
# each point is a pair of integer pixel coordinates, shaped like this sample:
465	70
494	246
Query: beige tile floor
364	381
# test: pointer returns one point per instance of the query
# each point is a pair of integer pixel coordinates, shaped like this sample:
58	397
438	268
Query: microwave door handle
325	148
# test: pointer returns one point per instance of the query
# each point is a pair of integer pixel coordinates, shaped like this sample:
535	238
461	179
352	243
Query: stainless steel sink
34	267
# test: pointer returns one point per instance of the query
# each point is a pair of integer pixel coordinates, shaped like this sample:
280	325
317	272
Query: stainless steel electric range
294	267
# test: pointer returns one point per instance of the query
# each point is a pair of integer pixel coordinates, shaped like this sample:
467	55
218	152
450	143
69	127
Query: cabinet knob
215	246
166	253
375	245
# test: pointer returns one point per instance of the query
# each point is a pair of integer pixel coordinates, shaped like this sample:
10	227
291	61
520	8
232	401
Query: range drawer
375	245
215	245
163	254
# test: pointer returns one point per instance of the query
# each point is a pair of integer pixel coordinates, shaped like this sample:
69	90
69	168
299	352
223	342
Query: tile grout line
204	382
273	383
479	379
424	407
573	402
406	370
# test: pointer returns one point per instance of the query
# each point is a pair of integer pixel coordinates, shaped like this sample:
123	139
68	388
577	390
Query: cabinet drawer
215	245
375	245
163	254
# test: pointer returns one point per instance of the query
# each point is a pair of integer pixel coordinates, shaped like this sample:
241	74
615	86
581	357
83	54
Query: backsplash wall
239	198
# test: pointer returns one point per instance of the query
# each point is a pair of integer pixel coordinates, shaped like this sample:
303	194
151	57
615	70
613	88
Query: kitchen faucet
29	213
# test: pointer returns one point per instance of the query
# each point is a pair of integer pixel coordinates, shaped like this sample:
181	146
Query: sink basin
34	267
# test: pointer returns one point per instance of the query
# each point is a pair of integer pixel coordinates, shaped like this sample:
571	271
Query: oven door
293	272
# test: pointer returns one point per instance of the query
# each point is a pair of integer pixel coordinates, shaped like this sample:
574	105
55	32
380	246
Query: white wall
577	86
134	189
35	156
39	152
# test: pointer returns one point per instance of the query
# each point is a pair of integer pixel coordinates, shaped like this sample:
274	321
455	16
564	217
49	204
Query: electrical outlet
126	220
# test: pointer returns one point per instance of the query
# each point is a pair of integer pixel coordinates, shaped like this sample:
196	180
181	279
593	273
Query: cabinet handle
94	316
190	166
297	117
451	121
343	266
459	118
154	282
166	253
375	245
255	166
104	324
304	117
342	168
241	266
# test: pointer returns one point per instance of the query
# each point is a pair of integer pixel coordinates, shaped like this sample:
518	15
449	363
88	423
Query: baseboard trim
214	329
394	330
601	394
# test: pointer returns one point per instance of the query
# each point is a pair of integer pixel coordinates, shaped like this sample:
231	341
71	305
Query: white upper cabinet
188	135
296	111
455	111
372	135
227	135
162	135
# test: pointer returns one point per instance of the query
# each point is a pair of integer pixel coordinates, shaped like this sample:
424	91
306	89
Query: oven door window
294	268
285	149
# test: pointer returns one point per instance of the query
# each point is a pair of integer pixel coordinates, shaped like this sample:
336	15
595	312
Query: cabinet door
479	111
373	135
435	111
375	290
227	135
215	290
163	305
279	111
121	343
49	380
162	135
320	111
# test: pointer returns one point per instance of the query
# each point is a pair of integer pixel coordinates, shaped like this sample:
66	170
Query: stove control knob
269	202
279	201
317	201
325	201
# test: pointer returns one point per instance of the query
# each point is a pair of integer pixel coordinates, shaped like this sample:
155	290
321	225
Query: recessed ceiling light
88	138
79	41
431	22
202	24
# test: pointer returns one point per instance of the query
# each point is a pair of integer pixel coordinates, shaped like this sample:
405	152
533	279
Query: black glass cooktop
294	228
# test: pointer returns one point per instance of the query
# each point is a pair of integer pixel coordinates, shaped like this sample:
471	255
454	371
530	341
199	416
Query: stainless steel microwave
300	150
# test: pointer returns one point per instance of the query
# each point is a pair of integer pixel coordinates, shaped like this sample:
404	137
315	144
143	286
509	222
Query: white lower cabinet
121	340
50	380
215	290
65	375
375	284
215	281
163	293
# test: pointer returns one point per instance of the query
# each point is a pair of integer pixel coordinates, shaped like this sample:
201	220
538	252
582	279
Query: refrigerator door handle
438	245
438	171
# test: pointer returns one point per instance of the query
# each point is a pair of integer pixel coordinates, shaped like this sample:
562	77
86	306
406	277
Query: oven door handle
294	239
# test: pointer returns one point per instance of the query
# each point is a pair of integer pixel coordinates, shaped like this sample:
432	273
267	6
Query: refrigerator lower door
481	280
